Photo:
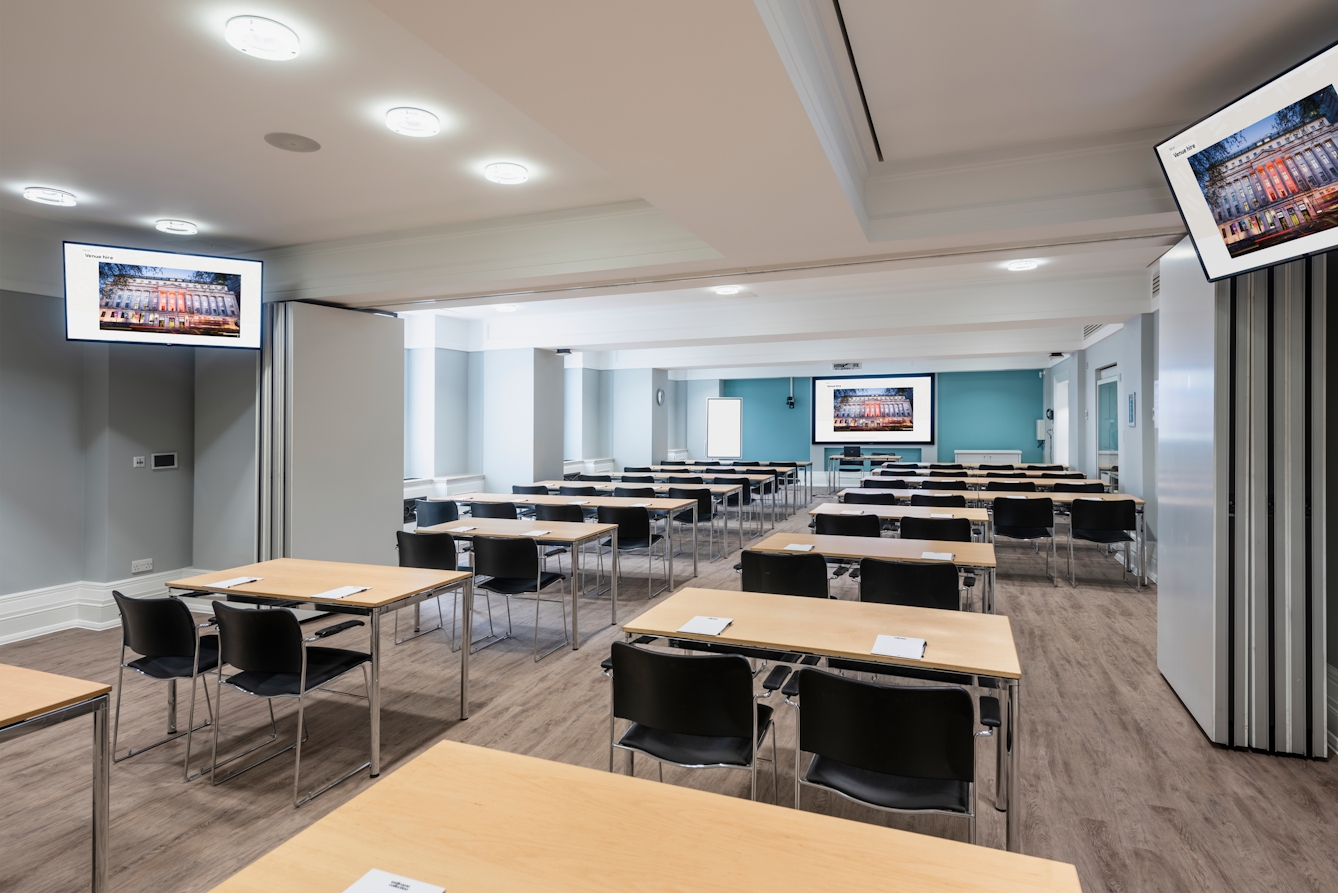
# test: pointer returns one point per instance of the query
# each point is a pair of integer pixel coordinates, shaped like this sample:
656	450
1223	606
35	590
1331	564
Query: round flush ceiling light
505	308
728	290
506	172
409	121
1022	266
45	195
176	227
262	38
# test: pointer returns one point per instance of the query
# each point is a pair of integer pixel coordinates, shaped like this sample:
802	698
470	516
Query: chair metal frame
1128	549
567	586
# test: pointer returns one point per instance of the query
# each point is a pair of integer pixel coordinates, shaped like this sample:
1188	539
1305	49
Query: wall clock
659	396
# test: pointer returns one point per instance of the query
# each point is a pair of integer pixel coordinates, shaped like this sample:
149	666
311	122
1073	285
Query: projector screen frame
933	407
179	341
1180	133
737	402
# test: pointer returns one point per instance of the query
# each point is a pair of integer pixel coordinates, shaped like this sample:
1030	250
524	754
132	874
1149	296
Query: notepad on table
341	592
899	646
936	556
580	502
940	514
234	581
464	529
799	547
378	881
851	512
536	533
640	505
706	626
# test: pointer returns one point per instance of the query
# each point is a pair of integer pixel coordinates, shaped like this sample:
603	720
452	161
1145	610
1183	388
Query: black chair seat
1023	533
516	585
749	651
890	791
323	664
695	750
179	667
642	543
899	670
1104	536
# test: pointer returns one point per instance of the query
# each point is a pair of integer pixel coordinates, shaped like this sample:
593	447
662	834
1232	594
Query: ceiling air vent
844	367
1089	331
1156	284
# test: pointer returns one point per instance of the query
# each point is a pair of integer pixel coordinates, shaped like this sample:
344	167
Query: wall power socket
142	566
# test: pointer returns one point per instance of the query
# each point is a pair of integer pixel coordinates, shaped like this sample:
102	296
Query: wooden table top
477	820
962	641
762	470
558	531
974	515
27	693
975	480
1026	466
990	495
657	504
299	579
716	489
693	472
889	548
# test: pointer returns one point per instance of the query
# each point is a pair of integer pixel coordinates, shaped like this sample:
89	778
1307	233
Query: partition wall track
275	427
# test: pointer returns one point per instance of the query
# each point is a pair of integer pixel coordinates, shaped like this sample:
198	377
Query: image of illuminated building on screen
873	409
154	299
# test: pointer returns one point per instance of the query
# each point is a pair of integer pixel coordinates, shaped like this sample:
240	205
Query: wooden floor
1116	778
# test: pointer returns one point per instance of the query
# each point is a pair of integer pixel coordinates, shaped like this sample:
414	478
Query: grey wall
586	408
678	413
474	412
226	386
573	408
659	415
633	397
451	437
548	416
420	398
507	418
694	414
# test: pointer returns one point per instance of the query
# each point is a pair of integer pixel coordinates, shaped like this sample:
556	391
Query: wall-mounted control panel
164	461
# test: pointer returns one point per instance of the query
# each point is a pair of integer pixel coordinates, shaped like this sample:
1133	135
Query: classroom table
832	465
978	556
979	645
801	464
1037	466
450	816
31	700
897	512
783	473
974	482
722	490
388	589
754	476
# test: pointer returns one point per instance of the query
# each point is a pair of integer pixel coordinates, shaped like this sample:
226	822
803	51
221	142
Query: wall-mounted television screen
873	409
136	296
1257	181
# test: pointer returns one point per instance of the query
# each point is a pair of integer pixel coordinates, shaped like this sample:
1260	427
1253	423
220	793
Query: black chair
634	534
939	473
915	584
743	501
690	710
785	573
895	748
1045	468
876	484
705	512
597	478
431	512
437	551
640	468
273	660
1001	474
847	525
570	514
984	467
502	510
944	485
855	497
956	465
1012	486
569	490
1031	519
168	639
1078	487
529	490
634	492
940	500
511	566
1063	475
688	479
638	479
957	530
1106	522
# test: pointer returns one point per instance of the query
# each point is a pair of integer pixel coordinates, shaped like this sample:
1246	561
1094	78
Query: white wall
521	416
631	416
694	414
548	416
678	413
451	393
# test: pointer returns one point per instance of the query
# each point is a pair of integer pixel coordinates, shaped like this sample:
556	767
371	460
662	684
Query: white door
1061	456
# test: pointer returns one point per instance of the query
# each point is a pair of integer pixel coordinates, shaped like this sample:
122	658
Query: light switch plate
137	462
142	566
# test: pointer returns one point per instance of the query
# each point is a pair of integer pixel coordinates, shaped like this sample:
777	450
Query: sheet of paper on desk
580	502
940	514
799	547
639	505
234	581
378	881
536	533
706	626
459	529
899	646
851	512
341	592
936	556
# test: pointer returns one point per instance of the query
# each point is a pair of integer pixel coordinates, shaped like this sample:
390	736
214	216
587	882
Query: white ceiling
674	146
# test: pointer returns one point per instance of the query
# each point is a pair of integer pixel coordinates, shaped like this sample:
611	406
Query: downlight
45	195
176	227
262	38
1022	266
408	121
508	173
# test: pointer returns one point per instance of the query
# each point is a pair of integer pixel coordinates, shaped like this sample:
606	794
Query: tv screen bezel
1189	230
65	298
933	407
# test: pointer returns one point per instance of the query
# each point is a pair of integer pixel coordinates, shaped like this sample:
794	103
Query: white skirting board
78	605
1332	700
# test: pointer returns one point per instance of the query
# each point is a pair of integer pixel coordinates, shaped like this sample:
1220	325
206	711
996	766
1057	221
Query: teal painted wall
771	432
990	411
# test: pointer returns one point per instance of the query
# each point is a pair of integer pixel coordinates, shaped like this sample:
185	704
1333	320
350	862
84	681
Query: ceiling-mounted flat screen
1257	181
135	296
873	409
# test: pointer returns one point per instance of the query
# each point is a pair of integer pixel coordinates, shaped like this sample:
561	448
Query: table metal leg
575	604
613	582
375	693
669	545
1014	834
694	540
102	758
466	634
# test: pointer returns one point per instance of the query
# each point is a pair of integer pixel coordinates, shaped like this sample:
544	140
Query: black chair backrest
640	467
922	731
708	694
1079	487
506	557
529	489
1103	514
705	505
912	469
156	627
1012	486
999	474
857	498
566	490
597	478
571	513
1024	511
638	479
943	500
434	550
746	494
1045	468
785	573
882	484
259	640
1064	475
906	583
633	522
848	525
505	510
945	465
433	512
956	530
635	492
852	452
939	473
692	479
984	467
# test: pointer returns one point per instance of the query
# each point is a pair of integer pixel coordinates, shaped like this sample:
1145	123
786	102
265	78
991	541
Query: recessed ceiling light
48	196
176	227
728	289
506	308
1022	266
262	38
413	122
506	172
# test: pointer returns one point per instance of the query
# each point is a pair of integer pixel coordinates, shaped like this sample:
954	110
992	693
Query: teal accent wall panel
990	411
771	432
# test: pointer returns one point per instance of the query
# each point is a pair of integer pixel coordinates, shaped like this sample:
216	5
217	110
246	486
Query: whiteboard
724	427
